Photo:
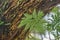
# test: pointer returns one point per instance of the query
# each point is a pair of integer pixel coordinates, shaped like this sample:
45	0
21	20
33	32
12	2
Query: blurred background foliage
36	22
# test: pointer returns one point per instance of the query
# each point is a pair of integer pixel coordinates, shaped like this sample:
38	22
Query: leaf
40	14
28	16
34	14
55	9
1	22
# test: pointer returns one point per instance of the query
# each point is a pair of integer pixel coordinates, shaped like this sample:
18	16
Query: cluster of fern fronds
11	12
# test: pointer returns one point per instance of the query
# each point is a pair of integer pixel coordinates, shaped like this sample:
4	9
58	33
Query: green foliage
35	21
55	9
1	22
55	25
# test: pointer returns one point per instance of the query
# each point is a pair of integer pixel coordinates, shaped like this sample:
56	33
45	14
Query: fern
55	25
35	21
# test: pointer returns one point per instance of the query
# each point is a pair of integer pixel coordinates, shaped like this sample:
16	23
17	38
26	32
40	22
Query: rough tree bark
13	12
